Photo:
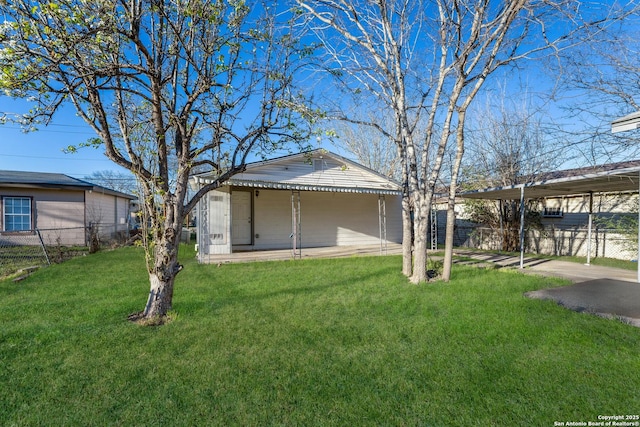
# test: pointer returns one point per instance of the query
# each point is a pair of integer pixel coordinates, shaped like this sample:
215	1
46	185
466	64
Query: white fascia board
629	122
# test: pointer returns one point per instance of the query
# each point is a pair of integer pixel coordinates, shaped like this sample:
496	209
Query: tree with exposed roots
168	86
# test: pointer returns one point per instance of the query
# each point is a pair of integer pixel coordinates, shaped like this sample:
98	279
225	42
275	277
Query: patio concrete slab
603	297
603	291
306	253
569	270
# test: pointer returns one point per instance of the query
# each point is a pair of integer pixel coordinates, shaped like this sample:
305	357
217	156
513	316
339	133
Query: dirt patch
141	320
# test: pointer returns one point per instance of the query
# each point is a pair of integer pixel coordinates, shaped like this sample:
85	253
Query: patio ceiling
608	181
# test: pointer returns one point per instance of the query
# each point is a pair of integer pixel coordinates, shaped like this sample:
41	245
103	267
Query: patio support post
590	226
382	223
522	226
295	225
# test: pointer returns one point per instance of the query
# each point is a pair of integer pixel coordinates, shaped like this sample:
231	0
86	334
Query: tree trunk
163	273
453	187
160	297
511	239
420	244
407	238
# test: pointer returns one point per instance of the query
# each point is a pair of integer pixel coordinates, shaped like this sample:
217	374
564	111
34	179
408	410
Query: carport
615	178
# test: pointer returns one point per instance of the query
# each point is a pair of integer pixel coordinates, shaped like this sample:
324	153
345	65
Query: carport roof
611	178
628	122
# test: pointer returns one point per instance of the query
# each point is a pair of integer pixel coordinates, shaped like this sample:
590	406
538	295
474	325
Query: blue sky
42	150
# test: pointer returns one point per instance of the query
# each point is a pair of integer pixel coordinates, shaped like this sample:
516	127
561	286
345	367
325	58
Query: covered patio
606	179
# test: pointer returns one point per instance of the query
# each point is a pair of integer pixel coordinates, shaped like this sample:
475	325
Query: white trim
628	122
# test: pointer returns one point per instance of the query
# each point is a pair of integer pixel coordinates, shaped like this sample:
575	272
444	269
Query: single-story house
313	199
60	208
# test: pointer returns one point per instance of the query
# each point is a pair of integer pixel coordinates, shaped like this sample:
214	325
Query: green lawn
321	342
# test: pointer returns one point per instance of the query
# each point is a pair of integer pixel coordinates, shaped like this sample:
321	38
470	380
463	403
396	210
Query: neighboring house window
17	213
552	213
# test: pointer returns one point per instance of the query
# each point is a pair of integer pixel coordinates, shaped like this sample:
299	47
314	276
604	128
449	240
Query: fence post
44	249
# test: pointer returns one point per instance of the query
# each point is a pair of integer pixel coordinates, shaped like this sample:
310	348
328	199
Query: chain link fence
21	251
28	250
554	241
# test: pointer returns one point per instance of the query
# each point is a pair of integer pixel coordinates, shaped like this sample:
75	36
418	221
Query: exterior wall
53	210
318	169
327	219
575	210
272	219
566	234
60	215
110	212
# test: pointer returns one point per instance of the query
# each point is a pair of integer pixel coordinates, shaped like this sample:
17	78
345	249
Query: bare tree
426	62
372	149
114	180
605	71
509	144
167	86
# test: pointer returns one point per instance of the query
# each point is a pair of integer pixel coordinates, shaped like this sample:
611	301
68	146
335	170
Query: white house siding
337	219
328	171
272	219
327	219
567	235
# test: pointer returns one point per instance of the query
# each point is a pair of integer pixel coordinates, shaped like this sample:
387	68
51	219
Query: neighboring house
566	200
565	223
313	199
60	207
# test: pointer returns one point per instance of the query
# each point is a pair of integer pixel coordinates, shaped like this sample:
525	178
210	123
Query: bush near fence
553	241
37	248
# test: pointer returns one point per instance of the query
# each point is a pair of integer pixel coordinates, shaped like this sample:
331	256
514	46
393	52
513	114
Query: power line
45	130
56	158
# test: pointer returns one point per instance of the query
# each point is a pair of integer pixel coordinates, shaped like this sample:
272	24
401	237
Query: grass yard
344	342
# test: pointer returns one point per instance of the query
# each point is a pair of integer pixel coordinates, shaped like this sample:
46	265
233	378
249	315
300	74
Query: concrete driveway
603	291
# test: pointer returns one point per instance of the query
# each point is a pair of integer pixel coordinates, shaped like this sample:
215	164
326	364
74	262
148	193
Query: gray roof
611	178
47	180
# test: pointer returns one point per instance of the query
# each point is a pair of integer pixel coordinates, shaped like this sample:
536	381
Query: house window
17	213
552	213
318	165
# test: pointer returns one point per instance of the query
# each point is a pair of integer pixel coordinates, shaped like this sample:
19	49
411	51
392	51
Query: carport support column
590	227
522	226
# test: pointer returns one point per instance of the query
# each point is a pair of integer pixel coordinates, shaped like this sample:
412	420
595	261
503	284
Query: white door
241	214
